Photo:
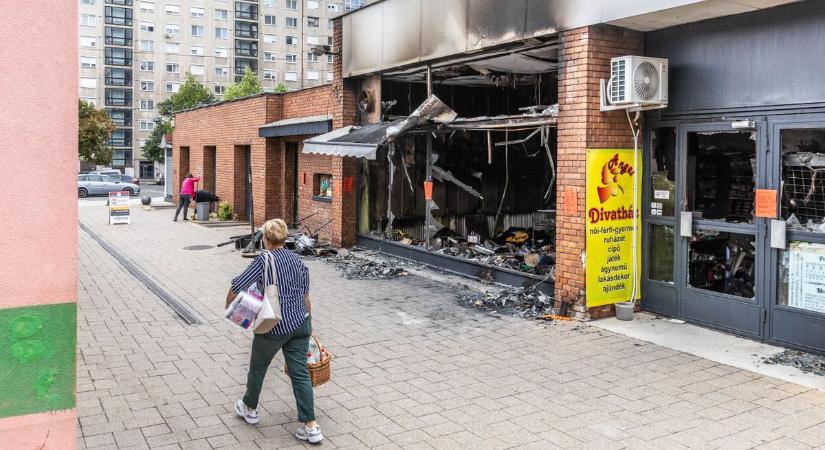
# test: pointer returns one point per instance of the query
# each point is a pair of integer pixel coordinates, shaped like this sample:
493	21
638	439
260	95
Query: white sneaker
312	435
249	415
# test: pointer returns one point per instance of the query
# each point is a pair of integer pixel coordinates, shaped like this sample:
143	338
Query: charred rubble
527	302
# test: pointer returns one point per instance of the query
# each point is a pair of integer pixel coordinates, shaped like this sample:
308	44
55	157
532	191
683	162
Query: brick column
345	112
585	59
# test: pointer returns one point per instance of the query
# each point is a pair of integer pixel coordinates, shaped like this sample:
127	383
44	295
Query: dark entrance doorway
147	170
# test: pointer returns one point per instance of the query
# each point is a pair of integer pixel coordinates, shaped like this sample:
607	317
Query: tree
191	94
94	129
249	85
281	89
152	149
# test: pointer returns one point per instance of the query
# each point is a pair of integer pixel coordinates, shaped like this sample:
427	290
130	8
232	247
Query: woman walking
187	191
292	334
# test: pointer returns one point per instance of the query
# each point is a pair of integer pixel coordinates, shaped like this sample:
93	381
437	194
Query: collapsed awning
359	142
297	126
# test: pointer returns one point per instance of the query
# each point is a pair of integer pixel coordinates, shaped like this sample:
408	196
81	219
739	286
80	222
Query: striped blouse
293	286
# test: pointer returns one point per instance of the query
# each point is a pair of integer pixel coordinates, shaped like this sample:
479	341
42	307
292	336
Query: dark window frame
125	40
247	11
110	78
246	30
123	17
112	59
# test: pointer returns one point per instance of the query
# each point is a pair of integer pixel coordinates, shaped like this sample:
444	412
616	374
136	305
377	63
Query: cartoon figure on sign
610	178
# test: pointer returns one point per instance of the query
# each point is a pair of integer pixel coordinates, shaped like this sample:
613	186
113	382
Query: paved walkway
413	369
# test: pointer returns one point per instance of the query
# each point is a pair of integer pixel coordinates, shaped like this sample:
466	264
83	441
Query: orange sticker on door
766	203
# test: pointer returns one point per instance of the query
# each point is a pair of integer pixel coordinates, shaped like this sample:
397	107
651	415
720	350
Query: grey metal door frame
789	326
713	309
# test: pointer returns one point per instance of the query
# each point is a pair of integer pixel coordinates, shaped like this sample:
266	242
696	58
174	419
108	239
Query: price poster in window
806	276
610	219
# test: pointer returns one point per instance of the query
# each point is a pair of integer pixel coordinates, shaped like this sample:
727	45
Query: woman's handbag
319	363
270	314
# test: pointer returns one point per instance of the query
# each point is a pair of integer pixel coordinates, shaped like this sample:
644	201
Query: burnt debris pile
528	302
520	249
805	362
353	268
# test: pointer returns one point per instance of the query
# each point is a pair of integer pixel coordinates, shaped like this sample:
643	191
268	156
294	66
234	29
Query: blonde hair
275	231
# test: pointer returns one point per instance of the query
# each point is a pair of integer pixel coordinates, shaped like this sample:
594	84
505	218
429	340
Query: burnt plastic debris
353	268
527	302
520	249
805	362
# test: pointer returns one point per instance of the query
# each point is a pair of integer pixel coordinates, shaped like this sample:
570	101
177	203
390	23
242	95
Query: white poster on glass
806	276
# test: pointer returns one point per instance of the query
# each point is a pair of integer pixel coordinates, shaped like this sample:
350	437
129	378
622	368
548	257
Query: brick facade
221	136
585	59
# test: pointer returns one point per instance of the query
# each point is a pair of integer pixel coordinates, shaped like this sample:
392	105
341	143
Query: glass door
797	310
721	241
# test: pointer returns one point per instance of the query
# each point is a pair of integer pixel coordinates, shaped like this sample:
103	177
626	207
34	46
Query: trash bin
202	211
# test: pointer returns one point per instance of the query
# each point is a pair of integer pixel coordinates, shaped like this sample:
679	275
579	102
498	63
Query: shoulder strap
270	264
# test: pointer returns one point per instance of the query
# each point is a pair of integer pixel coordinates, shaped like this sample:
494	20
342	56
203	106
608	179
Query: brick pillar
345	109
585	59
345	112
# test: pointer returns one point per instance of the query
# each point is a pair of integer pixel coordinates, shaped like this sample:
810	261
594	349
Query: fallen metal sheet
446	176
432	110
459	266
297	126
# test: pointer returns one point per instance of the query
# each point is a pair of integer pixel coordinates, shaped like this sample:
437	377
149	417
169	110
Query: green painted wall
37	358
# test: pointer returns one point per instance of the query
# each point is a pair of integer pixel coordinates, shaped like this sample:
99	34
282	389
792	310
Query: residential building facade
134	54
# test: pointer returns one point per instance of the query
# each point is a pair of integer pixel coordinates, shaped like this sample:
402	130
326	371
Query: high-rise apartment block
135	53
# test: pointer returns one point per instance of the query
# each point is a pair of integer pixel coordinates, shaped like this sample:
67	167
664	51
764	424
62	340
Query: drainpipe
427	203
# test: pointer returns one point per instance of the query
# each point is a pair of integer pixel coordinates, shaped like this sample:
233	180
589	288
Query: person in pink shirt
187	191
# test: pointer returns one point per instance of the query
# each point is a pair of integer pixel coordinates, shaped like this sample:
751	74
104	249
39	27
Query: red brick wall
224	126
585	58
340	213
233	126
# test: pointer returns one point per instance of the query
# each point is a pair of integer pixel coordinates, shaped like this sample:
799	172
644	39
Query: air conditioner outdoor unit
637	81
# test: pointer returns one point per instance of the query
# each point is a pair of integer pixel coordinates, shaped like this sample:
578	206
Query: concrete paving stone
223	440
198	444
129	438
207	431
100	440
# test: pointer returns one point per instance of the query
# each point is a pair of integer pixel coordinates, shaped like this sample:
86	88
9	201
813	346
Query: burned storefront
465	178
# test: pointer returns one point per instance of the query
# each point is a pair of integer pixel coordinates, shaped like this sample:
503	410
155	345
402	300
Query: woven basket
321	371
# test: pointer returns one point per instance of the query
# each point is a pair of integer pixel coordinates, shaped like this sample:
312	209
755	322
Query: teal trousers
295	345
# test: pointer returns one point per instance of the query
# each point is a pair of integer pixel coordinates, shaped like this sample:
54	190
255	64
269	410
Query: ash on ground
353	268
805	362
528	303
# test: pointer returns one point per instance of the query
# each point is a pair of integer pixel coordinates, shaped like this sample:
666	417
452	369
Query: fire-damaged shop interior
466	170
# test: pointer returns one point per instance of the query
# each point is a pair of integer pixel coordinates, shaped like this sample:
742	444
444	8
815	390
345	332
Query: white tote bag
270	314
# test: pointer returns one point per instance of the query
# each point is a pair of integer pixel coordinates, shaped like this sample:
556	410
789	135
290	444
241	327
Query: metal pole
427	202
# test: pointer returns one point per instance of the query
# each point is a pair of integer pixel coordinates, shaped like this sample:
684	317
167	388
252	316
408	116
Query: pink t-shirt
188	186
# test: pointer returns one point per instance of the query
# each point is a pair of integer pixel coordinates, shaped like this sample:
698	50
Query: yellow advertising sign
610	219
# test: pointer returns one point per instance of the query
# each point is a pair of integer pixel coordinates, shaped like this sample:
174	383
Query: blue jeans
295	345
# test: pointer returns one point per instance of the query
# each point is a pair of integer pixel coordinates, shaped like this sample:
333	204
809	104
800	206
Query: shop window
661	252
802	276
722	262
720	176
322	187
663	171
803	179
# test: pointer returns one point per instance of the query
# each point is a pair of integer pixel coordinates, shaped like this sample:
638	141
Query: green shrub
224	211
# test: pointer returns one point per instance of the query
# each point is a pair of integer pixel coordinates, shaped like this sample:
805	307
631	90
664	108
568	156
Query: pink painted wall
38	155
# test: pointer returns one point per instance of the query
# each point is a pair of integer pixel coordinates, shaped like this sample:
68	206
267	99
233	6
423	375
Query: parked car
96	184
126	179
111	172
